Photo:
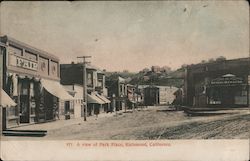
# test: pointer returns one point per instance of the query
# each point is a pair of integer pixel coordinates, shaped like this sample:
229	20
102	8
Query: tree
211	60
165	69
203	61
221	58
184	65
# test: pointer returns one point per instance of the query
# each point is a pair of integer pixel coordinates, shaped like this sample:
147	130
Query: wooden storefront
218	84
25	68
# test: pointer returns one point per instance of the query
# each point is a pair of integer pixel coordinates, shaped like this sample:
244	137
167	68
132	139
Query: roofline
214	62
25	45
87	67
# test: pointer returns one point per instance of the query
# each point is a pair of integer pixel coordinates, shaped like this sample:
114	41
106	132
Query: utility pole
1	78
2	50
84	84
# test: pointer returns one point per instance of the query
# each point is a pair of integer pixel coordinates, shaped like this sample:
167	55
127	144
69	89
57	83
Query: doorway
24	101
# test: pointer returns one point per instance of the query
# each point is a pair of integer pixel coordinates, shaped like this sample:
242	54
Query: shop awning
56	89
103	98
6	101
94	99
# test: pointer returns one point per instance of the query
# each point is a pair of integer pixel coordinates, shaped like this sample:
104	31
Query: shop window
12	112
99	84
72	109
89	79
32	106
215	97
241	97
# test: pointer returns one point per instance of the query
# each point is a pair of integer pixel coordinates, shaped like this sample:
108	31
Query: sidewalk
57	124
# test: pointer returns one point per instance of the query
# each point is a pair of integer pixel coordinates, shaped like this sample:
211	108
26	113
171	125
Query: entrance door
24	101
228	96
67	107
24	106
48	105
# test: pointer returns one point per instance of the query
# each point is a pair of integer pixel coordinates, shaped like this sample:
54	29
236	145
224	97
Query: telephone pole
1	78
84	62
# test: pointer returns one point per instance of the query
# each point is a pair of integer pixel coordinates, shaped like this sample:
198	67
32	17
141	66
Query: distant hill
174	78
179	73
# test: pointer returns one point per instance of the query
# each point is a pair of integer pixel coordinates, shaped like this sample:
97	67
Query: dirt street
157	123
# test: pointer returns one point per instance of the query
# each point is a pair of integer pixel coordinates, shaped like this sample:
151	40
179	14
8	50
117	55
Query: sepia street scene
141	70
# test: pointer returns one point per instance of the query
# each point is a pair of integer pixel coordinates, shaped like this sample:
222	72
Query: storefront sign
23	63
227	81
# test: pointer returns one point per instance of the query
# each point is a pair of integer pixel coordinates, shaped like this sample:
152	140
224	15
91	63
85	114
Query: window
43	65
99	83
89	79
241	97
32	106
54	68
30	56
12	112
214	97
14	50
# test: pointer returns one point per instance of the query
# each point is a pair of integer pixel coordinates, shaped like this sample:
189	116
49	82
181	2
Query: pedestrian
57	113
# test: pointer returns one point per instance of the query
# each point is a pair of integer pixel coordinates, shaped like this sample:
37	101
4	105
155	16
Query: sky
129	35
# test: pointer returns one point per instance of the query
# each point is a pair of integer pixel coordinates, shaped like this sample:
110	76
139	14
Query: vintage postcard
125	80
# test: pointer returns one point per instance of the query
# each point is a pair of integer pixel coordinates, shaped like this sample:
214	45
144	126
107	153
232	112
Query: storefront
106	105
32	80
6	103
95	104
228	90
221	84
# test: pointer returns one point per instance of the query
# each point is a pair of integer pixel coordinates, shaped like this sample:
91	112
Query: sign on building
23	63
227	81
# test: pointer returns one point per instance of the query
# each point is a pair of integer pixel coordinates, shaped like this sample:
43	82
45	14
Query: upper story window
121	89
30	55
100	77
15	50
54	68
90	79
43	65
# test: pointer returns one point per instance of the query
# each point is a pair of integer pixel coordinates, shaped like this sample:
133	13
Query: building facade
72	76
165	94
218	84
32	79
117	91
151	96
